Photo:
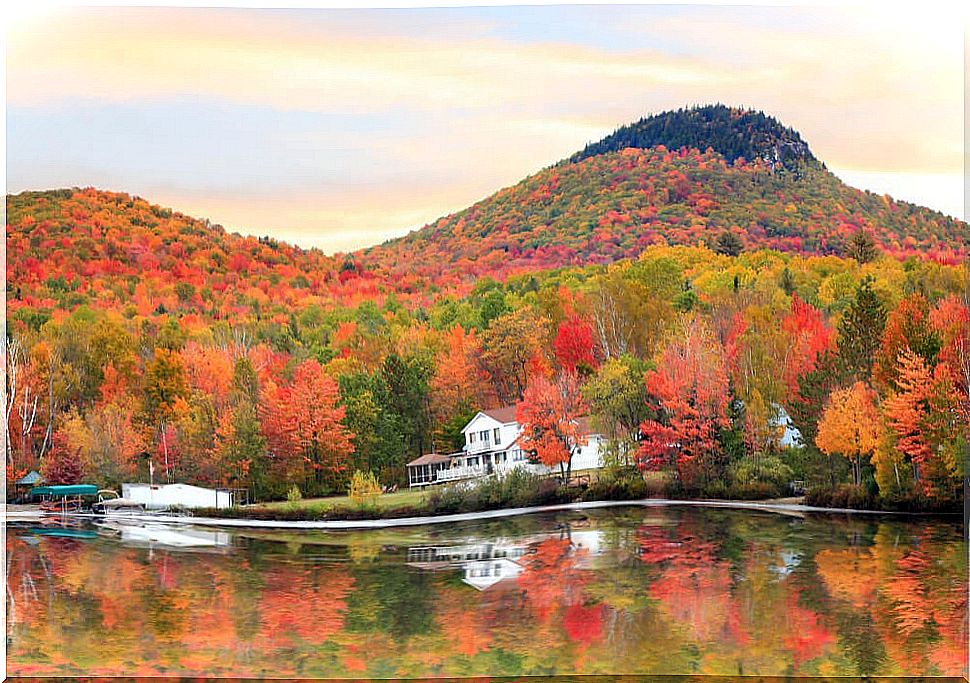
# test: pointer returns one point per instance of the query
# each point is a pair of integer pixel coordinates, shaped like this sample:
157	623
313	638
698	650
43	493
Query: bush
847	496
618	483
853	497
761	473
518	488
364	489
294	495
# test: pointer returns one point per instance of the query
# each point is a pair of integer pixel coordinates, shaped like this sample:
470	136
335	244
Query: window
498	435
483	435
471	437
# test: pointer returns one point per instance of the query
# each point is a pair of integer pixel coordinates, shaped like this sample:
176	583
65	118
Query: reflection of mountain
488	563
168	537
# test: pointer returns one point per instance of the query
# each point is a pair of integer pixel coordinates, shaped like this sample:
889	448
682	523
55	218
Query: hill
74	247
597	208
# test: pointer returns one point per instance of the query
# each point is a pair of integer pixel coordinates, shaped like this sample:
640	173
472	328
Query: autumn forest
703	303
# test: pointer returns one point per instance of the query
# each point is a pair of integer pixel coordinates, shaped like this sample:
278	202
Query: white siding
590	455
165	495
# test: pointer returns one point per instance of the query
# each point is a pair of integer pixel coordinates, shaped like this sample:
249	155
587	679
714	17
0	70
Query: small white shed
160	496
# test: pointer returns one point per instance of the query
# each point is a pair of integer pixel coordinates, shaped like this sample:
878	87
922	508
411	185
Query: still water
620	591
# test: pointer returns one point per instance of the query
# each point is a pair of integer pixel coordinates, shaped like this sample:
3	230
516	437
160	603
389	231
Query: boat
111	504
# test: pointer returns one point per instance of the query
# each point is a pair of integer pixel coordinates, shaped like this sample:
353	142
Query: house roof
505	414
429	459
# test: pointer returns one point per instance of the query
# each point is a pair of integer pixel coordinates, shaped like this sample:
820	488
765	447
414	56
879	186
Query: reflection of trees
668	592
391	598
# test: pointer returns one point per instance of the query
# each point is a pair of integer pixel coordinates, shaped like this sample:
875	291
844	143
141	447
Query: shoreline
792	509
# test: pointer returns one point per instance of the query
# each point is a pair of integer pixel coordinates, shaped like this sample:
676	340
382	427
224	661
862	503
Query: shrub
847	496
618	483
294	495
764	472
518	488
364	489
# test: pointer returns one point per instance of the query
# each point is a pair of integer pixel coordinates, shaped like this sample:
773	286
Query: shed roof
32	478
429	459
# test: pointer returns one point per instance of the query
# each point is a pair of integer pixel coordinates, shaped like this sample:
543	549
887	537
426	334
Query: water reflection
659	591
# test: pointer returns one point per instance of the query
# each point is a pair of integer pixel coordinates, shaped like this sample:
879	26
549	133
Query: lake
619	591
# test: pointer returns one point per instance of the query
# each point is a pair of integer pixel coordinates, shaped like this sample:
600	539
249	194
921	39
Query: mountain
678	178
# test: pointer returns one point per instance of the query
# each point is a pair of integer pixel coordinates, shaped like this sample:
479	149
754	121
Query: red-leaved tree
574	344
549	415
689	394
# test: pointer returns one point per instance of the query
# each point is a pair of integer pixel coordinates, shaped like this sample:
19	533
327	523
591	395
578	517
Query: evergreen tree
862	247
860	331
728	244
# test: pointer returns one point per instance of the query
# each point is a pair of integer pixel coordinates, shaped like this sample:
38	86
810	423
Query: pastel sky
342	128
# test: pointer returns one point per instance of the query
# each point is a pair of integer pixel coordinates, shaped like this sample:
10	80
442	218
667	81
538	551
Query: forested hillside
612	206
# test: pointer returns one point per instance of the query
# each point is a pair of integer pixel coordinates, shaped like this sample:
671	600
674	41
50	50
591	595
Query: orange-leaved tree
923	416
302	424
549	414
850	426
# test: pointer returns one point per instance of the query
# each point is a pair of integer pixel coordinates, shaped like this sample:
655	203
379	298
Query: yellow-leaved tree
850	426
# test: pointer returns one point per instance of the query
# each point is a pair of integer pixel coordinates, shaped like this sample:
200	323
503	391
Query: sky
341	128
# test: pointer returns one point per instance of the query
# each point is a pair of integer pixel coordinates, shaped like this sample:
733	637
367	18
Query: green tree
861	247
728	244
861	330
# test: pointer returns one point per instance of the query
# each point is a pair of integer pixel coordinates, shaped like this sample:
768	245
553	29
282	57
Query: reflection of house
491	446
488	563
483	564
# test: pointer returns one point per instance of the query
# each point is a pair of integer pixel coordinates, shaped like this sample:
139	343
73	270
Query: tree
63	464
850	426
407	396
302	424
164	401
549	415
924	420
509	344
574	345
459	382
860	331
689	395
907	327
626	315
862	246
617	396
808	336
728	244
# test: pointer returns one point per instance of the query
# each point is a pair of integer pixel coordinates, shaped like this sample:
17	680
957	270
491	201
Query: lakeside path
785	508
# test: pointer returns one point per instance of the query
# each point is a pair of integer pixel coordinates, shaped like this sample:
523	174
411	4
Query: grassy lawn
386	501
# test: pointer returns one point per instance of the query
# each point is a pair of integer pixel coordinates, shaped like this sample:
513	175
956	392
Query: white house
161	496
492	446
